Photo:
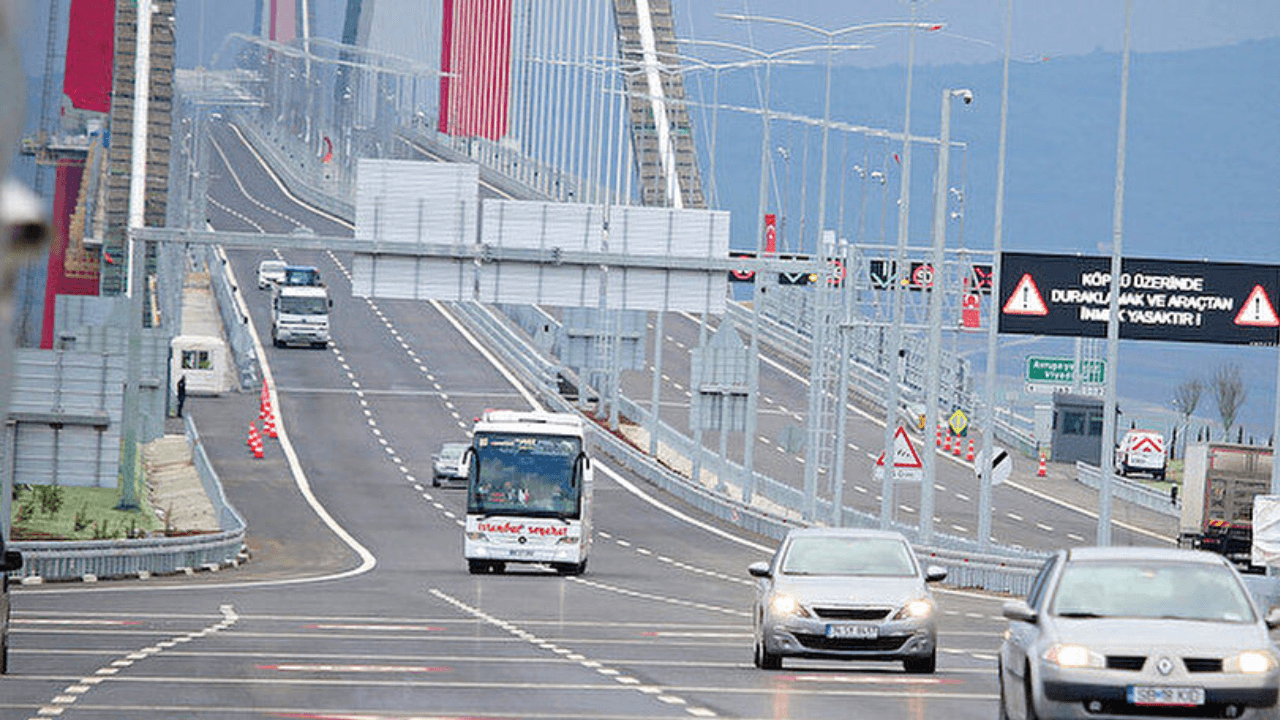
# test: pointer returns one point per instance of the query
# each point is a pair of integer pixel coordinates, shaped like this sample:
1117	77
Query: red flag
107	256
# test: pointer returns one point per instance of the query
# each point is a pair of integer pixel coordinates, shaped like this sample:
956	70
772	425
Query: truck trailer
1219	483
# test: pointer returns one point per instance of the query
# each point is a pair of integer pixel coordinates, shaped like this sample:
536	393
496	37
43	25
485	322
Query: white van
1142	451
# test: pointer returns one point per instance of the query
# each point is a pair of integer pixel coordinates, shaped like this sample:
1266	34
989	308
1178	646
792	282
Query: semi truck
1219	483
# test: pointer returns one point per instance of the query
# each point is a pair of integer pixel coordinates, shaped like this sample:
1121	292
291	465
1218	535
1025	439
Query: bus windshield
528	475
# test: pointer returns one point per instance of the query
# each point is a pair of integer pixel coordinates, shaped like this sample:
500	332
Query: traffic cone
1044	469
946	446
269	422
255	441
969	455
955	449
939	437
266	394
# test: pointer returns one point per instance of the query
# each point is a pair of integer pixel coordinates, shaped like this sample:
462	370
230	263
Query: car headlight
1073	656
1250	662
787	605
916	609
474	535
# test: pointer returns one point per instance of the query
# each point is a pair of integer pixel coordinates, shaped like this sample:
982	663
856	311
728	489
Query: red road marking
34	621
300	667
421	628
872	679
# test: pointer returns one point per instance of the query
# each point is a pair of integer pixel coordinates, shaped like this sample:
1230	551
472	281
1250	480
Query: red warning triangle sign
904	452
1025	299
1257	310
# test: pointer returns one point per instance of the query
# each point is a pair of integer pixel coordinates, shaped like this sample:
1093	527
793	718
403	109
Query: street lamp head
964	94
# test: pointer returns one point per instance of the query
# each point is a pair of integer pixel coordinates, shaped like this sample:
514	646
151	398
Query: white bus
528	492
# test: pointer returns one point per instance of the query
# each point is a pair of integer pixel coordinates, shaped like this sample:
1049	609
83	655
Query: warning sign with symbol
1173	300
1257	310
1025	299
906	461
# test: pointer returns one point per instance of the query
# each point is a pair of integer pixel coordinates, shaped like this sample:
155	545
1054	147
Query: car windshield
848	556
452	452
1167	590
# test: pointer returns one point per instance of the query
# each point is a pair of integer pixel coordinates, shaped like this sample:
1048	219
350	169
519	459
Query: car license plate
862	632
1150	695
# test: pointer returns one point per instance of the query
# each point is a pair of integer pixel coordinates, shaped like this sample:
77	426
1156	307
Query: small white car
448	465
270	272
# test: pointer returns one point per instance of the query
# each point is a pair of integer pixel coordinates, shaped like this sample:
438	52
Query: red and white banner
475	62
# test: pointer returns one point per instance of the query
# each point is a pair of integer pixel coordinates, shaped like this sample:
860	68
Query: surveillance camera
21	211
966	96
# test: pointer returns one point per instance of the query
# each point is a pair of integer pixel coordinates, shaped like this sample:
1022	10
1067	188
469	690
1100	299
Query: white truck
300	315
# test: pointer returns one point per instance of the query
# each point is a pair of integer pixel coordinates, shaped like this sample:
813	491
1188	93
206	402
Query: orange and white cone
946	445
1044	469
255	441
939	437
955	449
269	421
969	455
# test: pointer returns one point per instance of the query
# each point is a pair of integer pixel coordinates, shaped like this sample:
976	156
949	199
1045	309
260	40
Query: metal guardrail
83	559
1129	491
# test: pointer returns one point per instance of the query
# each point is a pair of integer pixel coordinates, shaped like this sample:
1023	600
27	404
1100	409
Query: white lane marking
514	629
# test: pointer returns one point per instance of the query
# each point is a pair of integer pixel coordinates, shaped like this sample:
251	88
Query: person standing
182	393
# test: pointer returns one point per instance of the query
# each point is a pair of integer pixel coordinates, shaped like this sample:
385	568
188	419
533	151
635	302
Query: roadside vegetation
55	512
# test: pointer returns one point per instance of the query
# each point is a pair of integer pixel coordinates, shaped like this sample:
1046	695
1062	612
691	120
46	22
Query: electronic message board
1176	300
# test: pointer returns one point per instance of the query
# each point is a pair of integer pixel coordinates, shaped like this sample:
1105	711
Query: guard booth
206	363
1077	428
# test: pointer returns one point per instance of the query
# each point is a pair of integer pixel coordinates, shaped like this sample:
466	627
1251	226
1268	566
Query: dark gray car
845	594
1119	632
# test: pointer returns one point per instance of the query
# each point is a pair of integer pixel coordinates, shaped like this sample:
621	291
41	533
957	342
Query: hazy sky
974	29
973	33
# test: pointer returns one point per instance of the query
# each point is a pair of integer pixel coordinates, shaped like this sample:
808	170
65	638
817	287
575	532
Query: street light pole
933	361
997	243
1113	316
899	260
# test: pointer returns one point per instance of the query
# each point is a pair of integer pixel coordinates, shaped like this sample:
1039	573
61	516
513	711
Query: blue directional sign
1176	300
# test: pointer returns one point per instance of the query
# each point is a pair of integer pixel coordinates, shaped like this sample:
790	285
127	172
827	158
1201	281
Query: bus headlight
477	536
567	540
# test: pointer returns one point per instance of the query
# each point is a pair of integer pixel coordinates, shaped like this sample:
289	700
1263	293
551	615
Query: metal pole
933	361
899	259
993	324
842	407
757	296
1113	317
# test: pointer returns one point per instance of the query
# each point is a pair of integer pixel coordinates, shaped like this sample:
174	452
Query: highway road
356	602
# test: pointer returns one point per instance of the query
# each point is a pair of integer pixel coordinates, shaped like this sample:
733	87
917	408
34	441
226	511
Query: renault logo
1164	665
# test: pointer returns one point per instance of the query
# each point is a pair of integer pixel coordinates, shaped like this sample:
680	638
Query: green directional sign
1062	370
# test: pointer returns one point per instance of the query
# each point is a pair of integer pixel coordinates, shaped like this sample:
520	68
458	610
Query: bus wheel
476	567
572	568
497	567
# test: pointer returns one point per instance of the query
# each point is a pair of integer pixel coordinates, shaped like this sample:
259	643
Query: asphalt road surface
356	603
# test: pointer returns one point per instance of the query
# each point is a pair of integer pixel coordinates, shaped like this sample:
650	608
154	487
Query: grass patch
55	512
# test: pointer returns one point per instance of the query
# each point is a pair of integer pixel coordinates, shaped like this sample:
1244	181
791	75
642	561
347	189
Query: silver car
447	464
1118	632
845	594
